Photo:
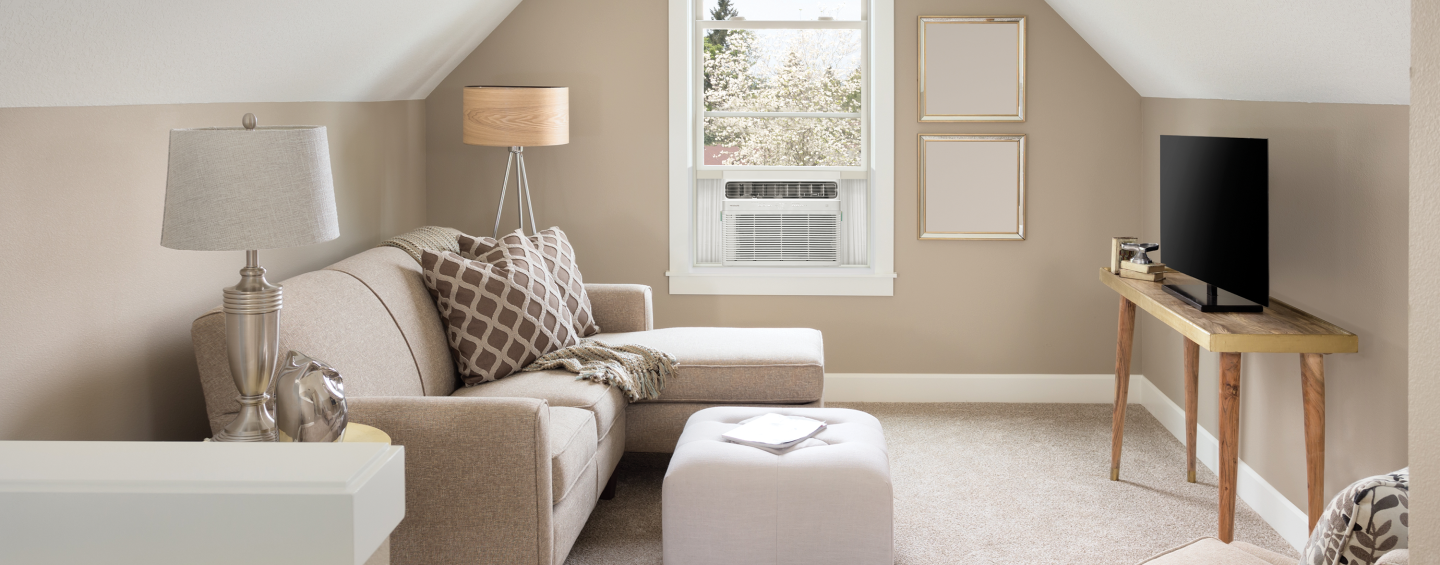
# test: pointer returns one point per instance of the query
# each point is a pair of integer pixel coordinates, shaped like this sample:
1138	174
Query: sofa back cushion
395	280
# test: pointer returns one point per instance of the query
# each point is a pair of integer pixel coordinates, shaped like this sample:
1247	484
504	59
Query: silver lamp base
252	339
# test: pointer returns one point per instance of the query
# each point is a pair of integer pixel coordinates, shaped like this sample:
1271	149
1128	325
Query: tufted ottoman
826	501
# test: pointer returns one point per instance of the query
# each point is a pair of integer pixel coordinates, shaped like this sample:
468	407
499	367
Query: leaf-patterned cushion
1363	522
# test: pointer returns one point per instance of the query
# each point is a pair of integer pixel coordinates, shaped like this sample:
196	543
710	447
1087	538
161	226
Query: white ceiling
1350	51
100	53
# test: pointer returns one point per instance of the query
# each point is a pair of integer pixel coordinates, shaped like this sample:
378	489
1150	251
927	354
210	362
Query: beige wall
1424	270
1337	247
95	324
959	306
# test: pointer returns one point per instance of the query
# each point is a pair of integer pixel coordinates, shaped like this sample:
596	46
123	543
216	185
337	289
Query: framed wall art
972	186
972	69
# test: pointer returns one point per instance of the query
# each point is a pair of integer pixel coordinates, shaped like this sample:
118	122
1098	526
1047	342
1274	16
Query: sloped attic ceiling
1348	51
100	53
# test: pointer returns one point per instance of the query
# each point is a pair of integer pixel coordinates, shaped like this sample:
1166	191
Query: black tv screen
1215	212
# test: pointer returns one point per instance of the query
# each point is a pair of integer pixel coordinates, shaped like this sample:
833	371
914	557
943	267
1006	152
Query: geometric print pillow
1363	522
559	259
498	318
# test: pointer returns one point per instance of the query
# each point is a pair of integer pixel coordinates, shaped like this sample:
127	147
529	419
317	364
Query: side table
133	502
361	433
1281	328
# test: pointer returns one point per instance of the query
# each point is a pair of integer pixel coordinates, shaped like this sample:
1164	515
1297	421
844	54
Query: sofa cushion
498	318
559	388
559	260
572	448
737	365
397	281
1366	520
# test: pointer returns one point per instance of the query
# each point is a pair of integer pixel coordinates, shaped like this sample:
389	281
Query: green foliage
723	11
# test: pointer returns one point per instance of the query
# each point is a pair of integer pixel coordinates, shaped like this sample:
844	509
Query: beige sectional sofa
506	471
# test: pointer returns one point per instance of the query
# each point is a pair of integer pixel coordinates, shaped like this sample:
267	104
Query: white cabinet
215	503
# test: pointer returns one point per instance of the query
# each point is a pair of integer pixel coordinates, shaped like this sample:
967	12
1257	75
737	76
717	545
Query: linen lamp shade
233	188
517	116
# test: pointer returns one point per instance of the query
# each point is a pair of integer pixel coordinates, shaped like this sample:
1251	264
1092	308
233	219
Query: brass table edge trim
1236	343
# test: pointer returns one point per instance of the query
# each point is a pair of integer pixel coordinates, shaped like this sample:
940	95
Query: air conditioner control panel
781	205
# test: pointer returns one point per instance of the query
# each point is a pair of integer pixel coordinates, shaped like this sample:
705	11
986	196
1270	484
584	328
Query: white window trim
878	279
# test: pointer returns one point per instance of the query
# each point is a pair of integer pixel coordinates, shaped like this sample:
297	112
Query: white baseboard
882	387
1273	507
1292	523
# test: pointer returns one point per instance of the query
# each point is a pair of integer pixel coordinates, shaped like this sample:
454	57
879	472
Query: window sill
819	284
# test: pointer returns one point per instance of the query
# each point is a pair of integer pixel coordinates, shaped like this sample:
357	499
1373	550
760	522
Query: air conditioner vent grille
782	189
799	239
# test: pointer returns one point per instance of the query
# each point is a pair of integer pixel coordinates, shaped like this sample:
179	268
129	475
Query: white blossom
814	70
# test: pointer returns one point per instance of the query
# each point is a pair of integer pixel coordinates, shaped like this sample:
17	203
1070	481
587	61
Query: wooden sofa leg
609	491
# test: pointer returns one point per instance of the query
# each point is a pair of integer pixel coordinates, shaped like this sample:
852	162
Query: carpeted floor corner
989	483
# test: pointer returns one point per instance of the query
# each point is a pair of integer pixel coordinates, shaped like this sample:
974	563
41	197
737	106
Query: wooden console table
1281	328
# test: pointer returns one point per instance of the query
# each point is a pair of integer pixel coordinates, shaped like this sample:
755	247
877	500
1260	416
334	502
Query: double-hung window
781	147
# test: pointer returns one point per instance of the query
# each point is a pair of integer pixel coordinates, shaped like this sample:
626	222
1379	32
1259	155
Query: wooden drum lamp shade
517	116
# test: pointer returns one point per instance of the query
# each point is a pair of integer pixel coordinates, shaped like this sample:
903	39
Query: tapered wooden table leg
1312	383
1229	441
1123	342
1192	396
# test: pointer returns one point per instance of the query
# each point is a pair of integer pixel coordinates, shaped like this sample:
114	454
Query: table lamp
249	188
517	117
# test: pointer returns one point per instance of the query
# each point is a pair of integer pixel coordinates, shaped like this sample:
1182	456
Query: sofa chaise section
722	367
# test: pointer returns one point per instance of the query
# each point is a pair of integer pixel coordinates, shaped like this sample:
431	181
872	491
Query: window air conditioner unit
781	224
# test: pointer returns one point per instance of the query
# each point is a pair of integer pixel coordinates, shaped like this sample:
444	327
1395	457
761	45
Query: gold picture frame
972	69
972	186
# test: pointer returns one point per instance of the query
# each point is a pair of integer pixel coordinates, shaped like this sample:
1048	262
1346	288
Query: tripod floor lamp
517	117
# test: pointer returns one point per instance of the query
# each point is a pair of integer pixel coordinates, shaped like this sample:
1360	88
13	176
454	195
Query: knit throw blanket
417	241
638	370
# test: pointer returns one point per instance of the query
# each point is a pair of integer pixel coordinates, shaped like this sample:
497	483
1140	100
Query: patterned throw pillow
1363	522
559	258
498	318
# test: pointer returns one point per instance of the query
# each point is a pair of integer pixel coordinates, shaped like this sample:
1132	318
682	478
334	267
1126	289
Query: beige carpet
990	483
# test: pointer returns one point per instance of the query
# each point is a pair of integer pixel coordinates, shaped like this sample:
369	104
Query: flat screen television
1215	220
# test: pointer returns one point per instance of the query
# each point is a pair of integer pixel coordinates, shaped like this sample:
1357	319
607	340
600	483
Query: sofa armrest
477	477
621	307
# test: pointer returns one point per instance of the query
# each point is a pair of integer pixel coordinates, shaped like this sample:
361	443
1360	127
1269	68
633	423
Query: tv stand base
1208	298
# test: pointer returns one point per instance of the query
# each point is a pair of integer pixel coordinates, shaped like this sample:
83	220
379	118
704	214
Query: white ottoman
829	502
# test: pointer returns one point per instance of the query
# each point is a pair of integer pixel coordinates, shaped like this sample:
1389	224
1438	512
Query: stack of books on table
1148	272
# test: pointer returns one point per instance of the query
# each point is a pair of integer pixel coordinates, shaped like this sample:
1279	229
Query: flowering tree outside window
809	78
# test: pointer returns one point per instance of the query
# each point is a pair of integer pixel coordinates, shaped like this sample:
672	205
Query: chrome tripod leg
519	183
503	186
523	180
